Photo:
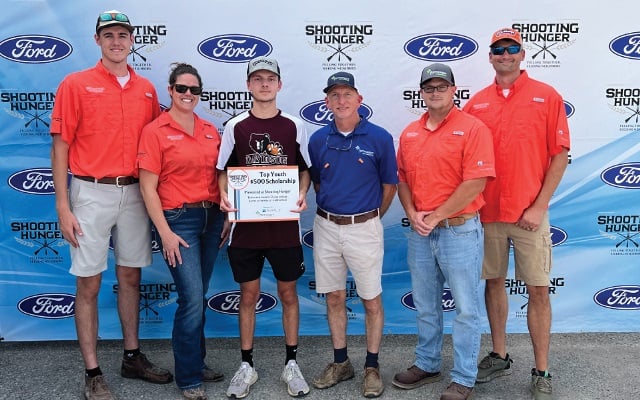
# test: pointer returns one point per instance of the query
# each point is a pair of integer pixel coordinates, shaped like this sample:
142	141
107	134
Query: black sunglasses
513	49
195	90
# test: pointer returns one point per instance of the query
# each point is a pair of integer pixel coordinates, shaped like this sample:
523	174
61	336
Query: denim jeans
201	229
452	254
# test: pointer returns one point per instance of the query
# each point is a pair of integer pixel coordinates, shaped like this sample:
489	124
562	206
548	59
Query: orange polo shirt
185	164
435	163
529	127
101	121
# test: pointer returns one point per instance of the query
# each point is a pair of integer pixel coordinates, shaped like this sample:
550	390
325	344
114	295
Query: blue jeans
452	254
201	229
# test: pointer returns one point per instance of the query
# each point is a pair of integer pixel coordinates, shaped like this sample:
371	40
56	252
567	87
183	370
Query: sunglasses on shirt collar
195	90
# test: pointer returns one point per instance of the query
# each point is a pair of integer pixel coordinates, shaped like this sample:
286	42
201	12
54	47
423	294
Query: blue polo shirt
351	169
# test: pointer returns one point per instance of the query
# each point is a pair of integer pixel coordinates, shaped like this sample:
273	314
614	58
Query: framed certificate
263	193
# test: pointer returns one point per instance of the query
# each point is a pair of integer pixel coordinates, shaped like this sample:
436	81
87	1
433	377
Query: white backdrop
590	53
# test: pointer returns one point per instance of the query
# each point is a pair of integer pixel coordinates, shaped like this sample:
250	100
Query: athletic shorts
246	264
531	249
109	212
358	248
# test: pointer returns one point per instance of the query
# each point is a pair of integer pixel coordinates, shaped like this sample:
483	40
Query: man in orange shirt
444	160
96	123
531	144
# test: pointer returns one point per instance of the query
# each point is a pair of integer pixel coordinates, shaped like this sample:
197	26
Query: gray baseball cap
263	63
437	70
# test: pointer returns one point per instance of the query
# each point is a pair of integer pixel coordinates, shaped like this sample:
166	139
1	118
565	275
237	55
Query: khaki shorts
532	252
358	248
103	212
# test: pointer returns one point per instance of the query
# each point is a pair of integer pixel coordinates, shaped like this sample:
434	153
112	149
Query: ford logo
627	45
558	236
625	176
234	48
48	305
447	301
33	181
441	47
228	302
619	297
35	49
569	109
307	239
318	113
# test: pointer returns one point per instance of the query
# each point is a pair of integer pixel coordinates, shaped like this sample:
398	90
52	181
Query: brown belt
348	219
456	221
200	204
118	180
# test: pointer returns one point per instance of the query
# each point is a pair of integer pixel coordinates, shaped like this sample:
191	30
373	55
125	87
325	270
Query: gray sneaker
96	389
242	380
540	386
194	394
291	375
492	366
334	373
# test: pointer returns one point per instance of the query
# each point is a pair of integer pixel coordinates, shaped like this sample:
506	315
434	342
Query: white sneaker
296	385
244	377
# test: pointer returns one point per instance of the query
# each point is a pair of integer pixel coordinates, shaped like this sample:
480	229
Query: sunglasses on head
195	90
120	17
513	49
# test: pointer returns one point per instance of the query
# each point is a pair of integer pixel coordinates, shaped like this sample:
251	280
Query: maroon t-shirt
251	141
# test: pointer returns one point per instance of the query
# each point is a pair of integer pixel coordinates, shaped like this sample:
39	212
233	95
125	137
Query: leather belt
457	220
348	219
107	180
199	204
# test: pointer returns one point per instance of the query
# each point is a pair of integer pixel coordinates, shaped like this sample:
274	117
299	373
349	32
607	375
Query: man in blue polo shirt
354	173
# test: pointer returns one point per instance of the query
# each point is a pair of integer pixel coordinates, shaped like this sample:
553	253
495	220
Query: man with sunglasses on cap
96	122
354	173
444	160
265	136
531	143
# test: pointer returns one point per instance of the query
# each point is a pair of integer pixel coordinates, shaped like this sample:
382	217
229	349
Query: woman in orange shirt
177	156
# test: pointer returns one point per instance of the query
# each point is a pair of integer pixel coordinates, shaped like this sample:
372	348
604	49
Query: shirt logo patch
538	100
175	137
458	133
94	89
480	106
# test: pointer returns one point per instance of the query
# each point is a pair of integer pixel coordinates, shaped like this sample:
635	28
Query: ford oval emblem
558	236
48	305
228	302
441	47
627	45
317	113
619	297
33	181
234	48
625	176
569	109
307	239
35	49
447	301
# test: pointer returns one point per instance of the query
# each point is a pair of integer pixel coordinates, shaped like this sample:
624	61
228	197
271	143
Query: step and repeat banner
592	62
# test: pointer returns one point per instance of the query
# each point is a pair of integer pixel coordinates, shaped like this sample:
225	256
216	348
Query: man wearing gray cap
444	160
265	136
354	173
